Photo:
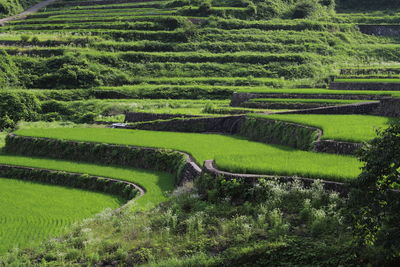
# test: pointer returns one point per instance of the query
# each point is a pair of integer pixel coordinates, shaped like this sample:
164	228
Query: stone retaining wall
288	105
337	147
389	107
209	167
380	30
226	124
358	108
365	86
239	98
142	116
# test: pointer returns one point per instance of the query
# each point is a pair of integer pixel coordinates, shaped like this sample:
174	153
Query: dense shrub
8	70
16	106
374	203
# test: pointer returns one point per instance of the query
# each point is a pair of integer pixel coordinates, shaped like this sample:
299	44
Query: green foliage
8	70
16	106
189	230
375	201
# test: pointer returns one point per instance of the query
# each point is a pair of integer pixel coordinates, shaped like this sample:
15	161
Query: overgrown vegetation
287	225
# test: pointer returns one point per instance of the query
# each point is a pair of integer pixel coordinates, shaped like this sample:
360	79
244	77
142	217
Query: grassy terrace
155	183
231	153
355	128
41	211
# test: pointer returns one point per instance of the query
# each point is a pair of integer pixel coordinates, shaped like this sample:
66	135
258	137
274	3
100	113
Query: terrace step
209	167
372	86
380	30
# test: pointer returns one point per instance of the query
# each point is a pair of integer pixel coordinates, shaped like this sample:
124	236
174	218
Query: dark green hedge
76	180
279	132
137	157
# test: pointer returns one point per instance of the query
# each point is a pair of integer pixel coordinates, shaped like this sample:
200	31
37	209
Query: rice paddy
355	128
42	211
232	153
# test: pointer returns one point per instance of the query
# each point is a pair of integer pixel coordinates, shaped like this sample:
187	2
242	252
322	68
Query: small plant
25	38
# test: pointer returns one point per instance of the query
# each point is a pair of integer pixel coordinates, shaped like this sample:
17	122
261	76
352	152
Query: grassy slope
356	128
30	212
231	153
154	183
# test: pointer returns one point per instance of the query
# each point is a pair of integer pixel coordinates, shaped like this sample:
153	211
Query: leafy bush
8	70
16	106
374	205
305	9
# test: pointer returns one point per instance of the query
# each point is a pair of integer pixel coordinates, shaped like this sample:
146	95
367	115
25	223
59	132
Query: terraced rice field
31	212
353	128
156	184
231	153
148	53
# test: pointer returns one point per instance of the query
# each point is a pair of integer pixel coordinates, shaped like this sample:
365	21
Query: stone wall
239	98
337	147
226	124
209	167
142	116
380	30
365	86
389	107
358	108
287	105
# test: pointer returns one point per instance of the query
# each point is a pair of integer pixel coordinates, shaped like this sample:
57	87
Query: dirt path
27	12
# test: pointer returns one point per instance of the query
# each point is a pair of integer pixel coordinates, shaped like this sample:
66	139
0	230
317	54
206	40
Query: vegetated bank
231	153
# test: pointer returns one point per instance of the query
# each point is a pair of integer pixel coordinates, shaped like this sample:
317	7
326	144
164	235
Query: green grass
367	80
356	128
232	153
155	183
31	212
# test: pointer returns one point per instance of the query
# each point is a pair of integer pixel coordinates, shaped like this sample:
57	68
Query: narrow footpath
27	12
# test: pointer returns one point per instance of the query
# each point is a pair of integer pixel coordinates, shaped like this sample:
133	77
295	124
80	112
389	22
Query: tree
8	70
16	106
374	202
